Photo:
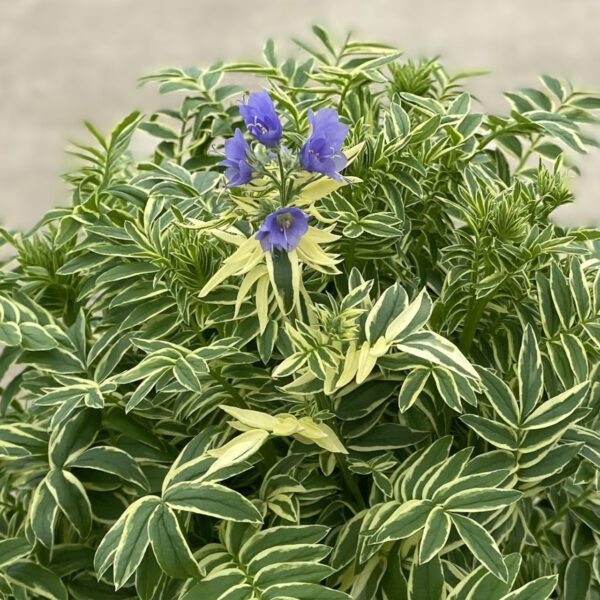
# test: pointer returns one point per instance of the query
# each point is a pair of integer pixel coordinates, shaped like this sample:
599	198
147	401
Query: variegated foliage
404	407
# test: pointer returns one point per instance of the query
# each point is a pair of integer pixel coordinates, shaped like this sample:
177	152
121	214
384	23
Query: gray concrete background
62	61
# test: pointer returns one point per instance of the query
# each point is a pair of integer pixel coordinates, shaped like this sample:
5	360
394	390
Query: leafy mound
397	401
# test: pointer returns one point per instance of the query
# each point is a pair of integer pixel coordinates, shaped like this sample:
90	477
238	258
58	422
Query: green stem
12	507
282	178
343	94
350	482
227	386
350	255
471	322
181	141
475	310
565	510
527	154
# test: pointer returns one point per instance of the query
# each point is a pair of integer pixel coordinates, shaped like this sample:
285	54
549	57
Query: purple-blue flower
283	229
261	119
322	151
237	152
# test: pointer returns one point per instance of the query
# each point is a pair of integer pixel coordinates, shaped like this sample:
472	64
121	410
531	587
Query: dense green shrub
400	403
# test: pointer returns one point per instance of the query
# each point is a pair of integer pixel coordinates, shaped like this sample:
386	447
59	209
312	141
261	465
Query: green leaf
134	539
358	402
481	500
43	512
426	580
169	546
304	572
558	408
425	130
400	119
11	549
389	305
469	125
412	387
283	279
438	350
495	433
530	373
489	586
304	591
561	295
160	130
147	577
71	498
413	479
411	319
555	86
185	374
467	481
212	499
408	519
105	552
10	334
578	579
481	544
553	462
37	579
216	585
500	397
447	387
579	289
35	337
73	435
435	534
540	589
111	460
405	179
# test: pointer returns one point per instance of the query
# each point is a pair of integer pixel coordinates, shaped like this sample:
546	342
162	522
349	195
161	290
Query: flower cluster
321	153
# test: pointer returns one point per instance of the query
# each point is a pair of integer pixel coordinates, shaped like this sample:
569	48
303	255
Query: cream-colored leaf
294	360
352	152
237	450
310	429
246	285
244	259
366	362
197	224
298	385
320	236
321	188
314	256
286	425
262	301
271	271
231	235
350	366
296	276
406	317
251	418
330	440
379	348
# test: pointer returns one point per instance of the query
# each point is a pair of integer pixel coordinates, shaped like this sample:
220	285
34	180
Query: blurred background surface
62	61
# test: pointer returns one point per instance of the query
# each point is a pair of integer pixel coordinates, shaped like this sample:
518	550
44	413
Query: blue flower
237	152
261	119
322	151
283	229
